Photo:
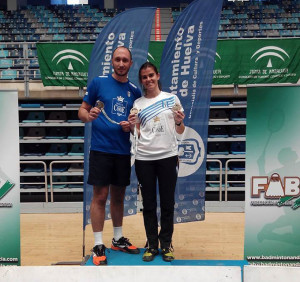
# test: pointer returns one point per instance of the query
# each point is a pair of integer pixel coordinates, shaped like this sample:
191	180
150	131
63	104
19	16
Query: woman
155	125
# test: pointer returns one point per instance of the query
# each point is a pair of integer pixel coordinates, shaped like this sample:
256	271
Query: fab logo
274	188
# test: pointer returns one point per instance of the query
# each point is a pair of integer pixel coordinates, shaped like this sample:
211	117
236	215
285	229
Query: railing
65	182
226	176
45	176
220	177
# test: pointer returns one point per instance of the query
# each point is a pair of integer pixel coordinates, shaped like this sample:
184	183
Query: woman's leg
167	177
146	174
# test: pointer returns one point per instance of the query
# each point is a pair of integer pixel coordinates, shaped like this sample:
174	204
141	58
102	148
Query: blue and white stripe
155	109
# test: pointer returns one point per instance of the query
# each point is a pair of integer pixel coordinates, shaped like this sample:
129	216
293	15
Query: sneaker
98	253
167	254
124	245
149	254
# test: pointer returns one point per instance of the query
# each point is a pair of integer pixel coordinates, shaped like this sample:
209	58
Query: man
109	169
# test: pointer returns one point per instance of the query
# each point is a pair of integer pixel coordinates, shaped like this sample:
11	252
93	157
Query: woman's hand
178	117
133	119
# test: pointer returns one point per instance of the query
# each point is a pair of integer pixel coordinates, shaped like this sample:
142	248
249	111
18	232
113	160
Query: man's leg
119	242
119	180
117	195
97	212
100	194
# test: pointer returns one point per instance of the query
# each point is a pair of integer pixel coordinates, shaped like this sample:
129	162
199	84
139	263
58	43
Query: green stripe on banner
244	61
249	61
257	61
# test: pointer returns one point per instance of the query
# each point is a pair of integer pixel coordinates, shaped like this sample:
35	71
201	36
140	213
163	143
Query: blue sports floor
121	258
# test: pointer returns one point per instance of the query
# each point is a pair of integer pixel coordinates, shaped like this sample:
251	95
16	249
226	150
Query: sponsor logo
151	57
218	73
270	52
71	55
5	185
158	126
119	106
191	152
285	191
217	56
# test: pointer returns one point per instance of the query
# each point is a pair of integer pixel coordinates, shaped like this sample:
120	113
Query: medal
176	107
100	106
134	111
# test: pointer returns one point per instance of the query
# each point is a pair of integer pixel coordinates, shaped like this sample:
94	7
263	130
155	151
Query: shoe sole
168	260
147	259
101	263
133	252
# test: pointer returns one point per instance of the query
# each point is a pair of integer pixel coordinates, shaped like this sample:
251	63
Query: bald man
107	104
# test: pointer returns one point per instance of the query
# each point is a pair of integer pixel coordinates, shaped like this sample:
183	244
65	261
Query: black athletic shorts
106	168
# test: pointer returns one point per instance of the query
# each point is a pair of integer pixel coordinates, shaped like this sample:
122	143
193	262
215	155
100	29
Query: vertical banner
272	204
9	179
132	29
187	71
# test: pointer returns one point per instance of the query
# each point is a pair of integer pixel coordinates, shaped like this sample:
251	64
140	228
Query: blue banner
187	70
132	29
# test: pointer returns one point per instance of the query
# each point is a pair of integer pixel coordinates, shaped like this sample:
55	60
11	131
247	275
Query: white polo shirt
157	127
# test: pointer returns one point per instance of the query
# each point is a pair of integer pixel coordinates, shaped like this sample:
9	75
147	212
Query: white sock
98	238
118	233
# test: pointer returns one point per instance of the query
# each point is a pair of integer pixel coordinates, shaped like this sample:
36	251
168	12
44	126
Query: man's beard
121	74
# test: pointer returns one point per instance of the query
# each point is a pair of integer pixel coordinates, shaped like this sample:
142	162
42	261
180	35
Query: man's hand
125	126
94	113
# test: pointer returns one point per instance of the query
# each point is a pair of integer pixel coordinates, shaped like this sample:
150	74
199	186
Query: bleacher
21	29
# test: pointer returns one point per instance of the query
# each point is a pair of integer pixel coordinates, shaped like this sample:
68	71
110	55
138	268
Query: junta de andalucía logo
5	184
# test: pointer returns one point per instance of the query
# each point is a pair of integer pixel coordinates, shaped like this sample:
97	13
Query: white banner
9	179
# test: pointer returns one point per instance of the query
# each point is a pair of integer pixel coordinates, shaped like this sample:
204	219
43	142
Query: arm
132	119
125	126
179	125
87	113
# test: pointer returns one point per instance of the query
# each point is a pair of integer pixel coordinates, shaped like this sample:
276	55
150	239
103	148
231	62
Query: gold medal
134	111
176	107
100	105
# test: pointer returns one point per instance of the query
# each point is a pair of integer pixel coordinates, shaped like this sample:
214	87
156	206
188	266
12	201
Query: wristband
178	124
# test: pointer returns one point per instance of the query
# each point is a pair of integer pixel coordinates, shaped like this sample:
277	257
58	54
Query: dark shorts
105	169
